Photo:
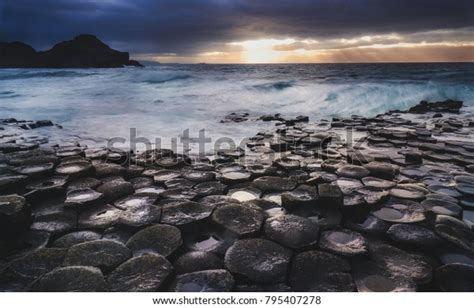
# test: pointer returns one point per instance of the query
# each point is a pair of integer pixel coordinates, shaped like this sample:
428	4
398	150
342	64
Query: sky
253	31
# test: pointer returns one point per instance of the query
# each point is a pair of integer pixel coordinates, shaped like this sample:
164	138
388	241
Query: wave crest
279	85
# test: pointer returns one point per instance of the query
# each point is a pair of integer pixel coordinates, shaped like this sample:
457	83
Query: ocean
161	101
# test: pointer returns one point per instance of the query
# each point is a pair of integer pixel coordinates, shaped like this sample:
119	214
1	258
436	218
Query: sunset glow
391	47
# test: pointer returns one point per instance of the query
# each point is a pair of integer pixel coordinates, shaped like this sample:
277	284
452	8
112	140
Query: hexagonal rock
101	217
107	169
330	196
370	276
15	215
344	242
259	260
455	277
204	281
182	212
12	183
142	214
370	225
292	231
75	169
83	183
82	199
352	171
412	266
384	171
161	239
318	271
454	231
104	254
145	273
75	238
55	223
239	219
413	235
115	188
195	261
71	279
274	183
35	264
303	195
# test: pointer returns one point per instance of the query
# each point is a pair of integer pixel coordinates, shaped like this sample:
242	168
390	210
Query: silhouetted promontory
84	51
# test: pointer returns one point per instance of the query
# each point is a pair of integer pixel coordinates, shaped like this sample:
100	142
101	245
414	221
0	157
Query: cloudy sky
253	31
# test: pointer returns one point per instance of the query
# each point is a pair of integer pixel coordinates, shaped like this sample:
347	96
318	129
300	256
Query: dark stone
352	171
209	188
303	195
455	278
344	242
317	271
141	182
84	51
199	176
115	188
370	225
84	183
15	215
35	171
12	183
376	183
410	192
454	231
382	170
259	260
55	223
184	212
161	176
370	276
330	196
48	187
239	219
75	238
101	217
442	207
413	235
34	265
408	212
444	106
397	262
145	273
292	231
196	261
71	279
104	254
107	169
204	281
82	199
26	243
75	170
161	239
274	183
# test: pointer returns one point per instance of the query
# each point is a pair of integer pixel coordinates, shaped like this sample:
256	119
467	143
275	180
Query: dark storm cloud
189	26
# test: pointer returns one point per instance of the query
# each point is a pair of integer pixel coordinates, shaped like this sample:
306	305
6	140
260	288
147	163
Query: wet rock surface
295	209
71	279
258	260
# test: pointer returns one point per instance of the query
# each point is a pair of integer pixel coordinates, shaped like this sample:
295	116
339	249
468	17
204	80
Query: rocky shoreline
348	204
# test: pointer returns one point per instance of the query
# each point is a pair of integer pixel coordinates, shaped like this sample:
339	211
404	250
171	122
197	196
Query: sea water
161	101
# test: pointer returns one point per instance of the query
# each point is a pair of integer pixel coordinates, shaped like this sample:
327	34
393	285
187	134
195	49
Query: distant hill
84	51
